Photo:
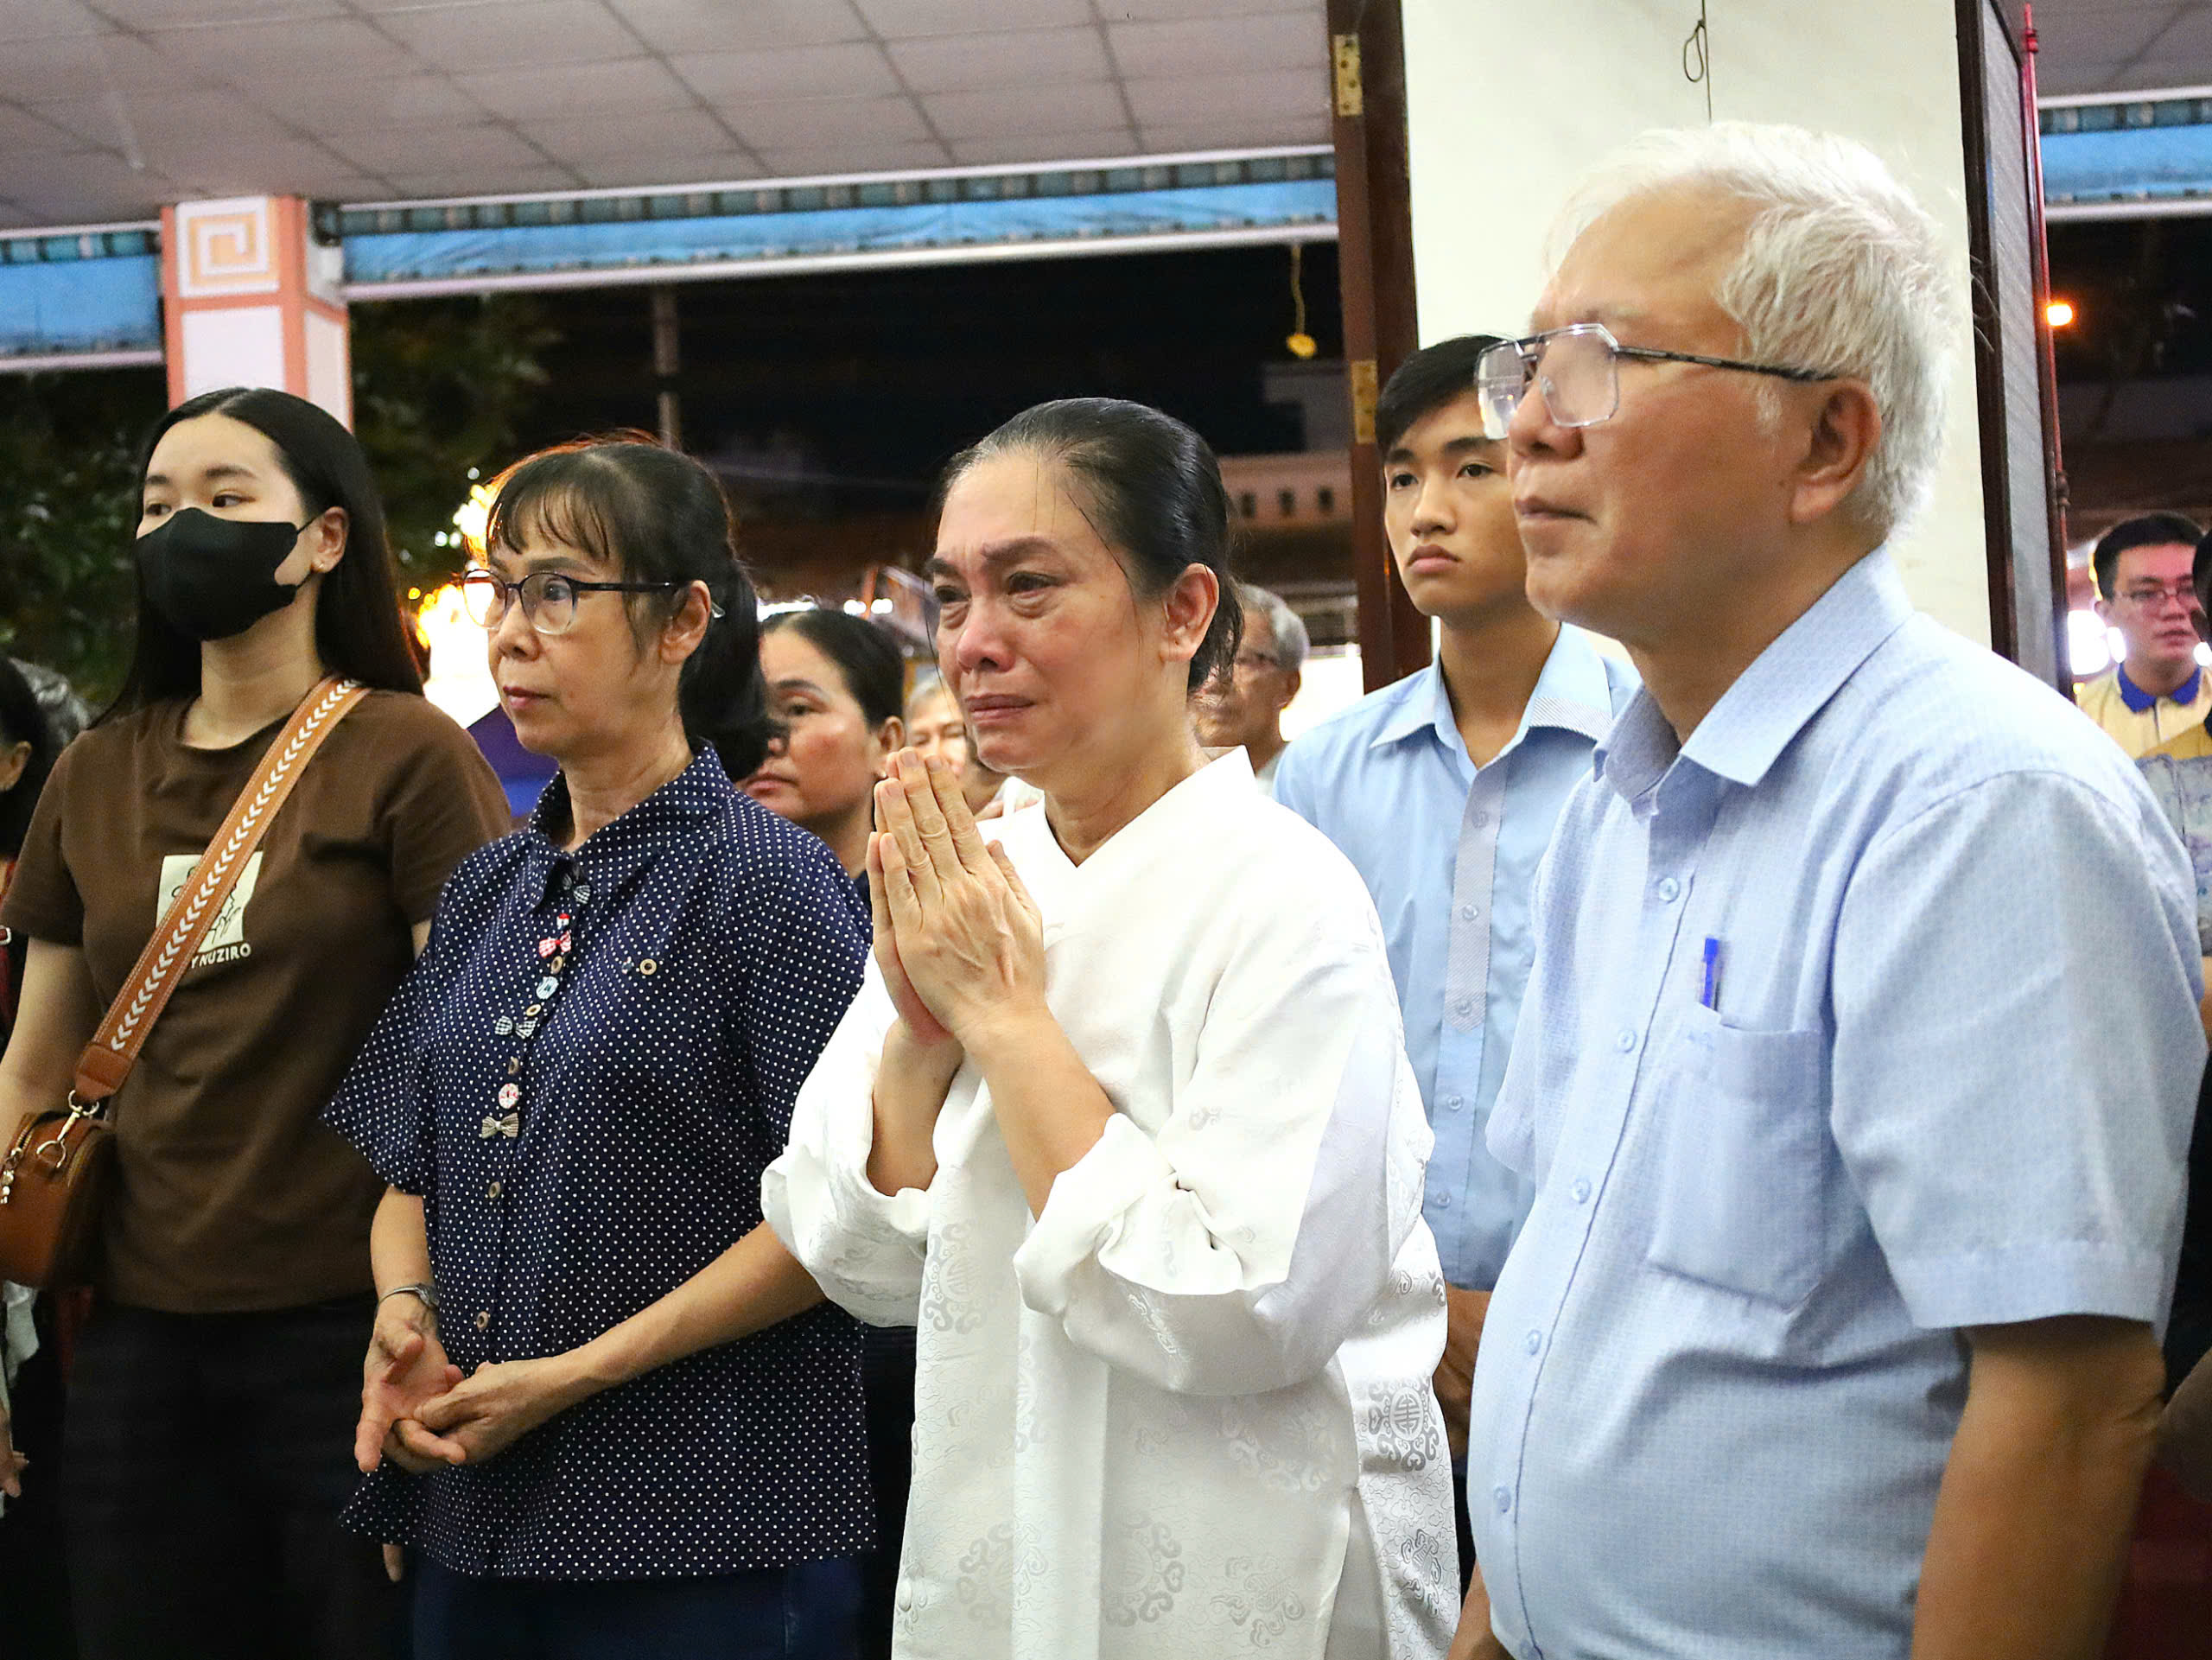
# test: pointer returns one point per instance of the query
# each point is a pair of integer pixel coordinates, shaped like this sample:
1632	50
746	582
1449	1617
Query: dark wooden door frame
1374	241
2007	627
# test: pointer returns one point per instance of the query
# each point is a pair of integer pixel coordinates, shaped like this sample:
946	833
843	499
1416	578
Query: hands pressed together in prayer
958	937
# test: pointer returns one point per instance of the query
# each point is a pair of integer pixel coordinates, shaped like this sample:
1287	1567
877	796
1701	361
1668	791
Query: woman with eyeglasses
203	1484
602	1402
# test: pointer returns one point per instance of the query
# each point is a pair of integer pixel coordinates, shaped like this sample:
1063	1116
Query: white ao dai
1186	1412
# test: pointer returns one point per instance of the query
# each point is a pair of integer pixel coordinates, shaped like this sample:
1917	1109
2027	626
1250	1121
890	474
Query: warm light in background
2060	313
460	681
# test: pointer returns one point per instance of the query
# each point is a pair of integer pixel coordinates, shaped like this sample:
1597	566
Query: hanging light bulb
1302	343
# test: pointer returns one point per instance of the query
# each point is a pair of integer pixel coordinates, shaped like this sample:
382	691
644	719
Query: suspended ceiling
110	108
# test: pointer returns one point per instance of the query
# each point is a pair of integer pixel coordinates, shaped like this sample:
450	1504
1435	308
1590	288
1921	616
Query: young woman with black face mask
204	1477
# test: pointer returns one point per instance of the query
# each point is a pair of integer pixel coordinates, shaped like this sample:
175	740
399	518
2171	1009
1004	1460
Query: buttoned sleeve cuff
2035	1282
1087	1205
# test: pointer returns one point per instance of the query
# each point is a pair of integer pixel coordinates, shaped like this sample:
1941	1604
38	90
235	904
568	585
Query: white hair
1840	271
1287	627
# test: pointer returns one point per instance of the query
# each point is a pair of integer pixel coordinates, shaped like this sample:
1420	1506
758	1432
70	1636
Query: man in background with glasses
2156	691
1858	1060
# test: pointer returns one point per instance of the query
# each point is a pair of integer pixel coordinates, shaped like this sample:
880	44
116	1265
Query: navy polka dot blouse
583	1077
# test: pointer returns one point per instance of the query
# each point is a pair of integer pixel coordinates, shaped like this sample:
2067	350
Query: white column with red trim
249	299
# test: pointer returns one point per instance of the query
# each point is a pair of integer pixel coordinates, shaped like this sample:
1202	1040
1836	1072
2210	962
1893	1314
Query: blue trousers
804	1613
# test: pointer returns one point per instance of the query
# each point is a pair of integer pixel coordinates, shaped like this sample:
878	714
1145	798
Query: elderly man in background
1244	705
1830	1331
2157	692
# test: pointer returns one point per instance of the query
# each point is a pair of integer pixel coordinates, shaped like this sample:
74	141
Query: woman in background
835	681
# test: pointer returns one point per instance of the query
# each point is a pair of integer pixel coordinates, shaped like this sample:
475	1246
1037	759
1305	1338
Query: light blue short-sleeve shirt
1449	851
1944	1078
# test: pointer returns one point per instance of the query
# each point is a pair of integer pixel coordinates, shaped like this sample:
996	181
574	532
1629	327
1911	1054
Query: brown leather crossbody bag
57	1165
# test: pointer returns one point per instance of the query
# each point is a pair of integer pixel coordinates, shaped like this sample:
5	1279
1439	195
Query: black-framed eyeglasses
1578	370
549	598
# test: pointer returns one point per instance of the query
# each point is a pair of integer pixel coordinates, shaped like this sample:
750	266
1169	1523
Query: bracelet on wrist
427	1295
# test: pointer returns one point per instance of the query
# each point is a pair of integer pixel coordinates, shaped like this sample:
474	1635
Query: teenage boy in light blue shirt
1443	789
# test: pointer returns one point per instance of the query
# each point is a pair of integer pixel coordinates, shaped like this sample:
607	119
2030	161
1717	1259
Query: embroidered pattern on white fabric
1148	1315
948	1298
1259	1599
987	1574
1401	1424
1145	1574
1421	1560
1289	1452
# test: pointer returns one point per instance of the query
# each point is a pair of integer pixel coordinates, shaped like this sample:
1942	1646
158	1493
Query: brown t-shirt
230	1195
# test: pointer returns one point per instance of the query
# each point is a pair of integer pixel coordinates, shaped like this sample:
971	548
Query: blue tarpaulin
2170	163
73	307
526	249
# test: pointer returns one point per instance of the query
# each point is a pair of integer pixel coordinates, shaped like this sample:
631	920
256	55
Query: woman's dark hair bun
657	516
1151	490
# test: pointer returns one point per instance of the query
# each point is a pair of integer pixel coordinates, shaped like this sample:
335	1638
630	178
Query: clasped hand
959	940
419	1411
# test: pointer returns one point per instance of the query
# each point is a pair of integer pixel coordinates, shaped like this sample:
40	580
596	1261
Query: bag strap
113	1052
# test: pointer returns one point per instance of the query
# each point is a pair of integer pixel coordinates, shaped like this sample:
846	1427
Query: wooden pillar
1374	252
249	299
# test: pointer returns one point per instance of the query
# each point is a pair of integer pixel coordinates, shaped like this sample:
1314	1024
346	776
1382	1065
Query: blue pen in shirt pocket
1710	997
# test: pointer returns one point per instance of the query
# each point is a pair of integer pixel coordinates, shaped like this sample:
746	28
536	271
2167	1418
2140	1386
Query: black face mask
211	578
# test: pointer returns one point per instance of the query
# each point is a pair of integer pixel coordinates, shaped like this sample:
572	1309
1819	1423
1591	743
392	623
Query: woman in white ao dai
1122	1121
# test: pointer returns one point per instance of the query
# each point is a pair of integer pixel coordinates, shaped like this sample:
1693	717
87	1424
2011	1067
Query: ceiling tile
513	34
1045	147
244	53
837	155
693	167
1231	132
2189	39
365	106
470	180
957	63
38	20
1213	45
432	150
841	123
901	19
23	133
1276	93
16	217
1076	107
856	70
611	138
628	85
1141	11
171	14
82	67
718	26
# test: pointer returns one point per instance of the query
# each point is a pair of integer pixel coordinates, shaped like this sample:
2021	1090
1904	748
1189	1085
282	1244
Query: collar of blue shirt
1572	693
617	851
1786	686
2141	701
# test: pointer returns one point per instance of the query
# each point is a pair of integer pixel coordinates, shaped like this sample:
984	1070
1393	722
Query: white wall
1510	102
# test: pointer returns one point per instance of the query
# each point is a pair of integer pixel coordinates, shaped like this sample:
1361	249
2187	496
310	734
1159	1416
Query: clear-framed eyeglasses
1578	370
549	598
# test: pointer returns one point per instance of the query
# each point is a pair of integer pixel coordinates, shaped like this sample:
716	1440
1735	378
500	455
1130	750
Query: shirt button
1504	1499
1582	1190
1464	1006
1669	889
1533	1342
1480	820
1453	1103
1625	1041
1442	1201
483	1319
1468	913
493	1191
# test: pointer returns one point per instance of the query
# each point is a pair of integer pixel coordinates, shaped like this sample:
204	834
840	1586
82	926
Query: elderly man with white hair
1830	1331
1242	707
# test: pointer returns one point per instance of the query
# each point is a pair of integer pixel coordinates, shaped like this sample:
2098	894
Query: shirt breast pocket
1744	1161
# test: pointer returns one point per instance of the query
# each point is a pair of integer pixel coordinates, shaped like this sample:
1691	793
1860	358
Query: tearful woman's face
1054	659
